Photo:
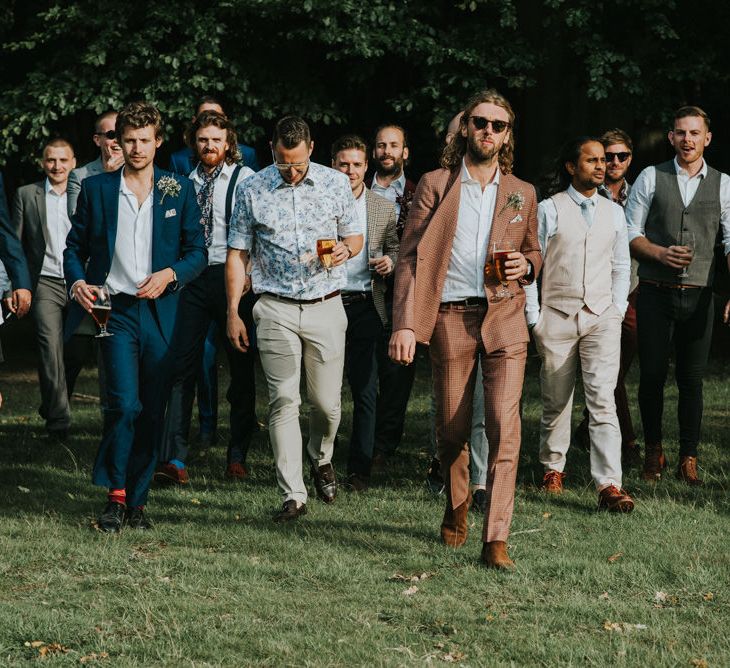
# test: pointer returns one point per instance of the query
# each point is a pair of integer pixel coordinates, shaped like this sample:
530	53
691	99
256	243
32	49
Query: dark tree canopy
349	65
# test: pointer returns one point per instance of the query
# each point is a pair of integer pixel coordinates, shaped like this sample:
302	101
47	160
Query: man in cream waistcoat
585	286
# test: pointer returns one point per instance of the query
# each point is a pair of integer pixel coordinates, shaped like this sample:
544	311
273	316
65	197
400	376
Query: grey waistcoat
669	220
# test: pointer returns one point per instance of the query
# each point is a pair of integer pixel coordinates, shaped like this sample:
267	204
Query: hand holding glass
324	252
687	240
500	255
101	308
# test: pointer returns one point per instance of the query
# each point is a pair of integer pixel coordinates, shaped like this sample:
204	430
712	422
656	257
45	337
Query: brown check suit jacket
382	235
425	252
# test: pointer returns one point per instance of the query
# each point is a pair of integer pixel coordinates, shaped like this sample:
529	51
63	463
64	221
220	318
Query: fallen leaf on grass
662	600
34	643
25	490
46	649
615	557
410	591
454	656
699	663
398	577
709	596
94	657
195	502
604	596
623	627
546	516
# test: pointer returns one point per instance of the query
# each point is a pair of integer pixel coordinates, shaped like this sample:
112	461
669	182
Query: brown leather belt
291	300
466	303
671	286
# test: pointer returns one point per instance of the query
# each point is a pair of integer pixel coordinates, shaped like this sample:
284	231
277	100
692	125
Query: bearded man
216	177
447	294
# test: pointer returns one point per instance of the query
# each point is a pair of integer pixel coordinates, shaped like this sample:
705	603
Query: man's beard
479	154
212	160
396	168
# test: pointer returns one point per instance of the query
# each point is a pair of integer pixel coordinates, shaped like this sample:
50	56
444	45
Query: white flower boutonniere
168	185
515	201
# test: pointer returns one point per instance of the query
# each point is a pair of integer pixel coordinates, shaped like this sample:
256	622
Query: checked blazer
382	235
425	252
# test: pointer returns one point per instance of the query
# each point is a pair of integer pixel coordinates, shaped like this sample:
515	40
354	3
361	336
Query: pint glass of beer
324	252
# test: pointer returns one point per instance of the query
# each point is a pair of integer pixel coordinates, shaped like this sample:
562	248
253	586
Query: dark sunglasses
109	134
480	123
622	157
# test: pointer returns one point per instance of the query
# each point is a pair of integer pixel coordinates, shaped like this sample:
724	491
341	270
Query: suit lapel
39	199
110	207
370	218
502	213
157	219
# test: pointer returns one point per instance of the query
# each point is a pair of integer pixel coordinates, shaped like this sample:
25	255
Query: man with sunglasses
677	212
286	216
447	294
110	158
619	149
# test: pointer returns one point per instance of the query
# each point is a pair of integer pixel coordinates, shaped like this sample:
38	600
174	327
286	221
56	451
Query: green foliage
340	61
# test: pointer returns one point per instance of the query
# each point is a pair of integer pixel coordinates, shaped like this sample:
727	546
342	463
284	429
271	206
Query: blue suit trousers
138	367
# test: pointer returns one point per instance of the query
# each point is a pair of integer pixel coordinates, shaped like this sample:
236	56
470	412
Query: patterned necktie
205	200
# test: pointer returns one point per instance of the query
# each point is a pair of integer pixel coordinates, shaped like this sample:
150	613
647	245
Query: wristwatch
173	285
526	279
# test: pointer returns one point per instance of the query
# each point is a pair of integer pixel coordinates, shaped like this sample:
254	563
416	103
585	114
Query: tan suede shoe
494	555
454	527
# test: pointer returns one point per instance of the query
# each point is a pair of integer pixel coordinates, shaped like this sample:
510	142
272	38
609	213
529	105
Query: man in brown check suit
447	294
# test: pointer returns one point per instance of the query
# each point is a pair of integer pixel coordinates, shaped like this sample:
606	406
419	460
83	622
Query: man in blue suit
183	162
137	231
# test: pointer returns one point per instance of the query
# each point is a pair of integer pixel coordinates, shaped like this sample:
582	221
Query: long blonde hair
454	152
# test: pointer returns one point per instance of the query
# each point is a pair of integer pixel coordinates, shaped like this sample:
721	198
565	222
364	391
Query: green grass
217	583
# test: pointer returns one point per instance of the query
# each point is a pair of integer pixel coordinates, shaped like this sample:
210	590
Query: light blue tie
586	208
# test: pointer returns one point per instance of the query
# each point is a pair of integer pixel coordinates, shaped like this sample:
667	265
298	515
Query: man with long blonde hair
465	216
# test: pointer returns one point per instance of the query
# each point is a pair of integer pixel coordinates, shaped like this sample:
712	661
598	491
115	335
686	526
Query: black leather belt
291	300
466	303
671	286
354	297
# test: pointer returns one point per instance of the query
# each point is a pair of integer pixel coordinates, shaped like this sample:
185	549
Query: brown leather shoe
615	500
454	529
654	462
236	471
494	555
552	482
325	482
630	454
290	511
687	471
169	474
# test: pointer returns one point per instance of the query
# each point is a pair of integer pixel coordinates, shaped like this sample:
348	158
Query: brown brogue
169	474
494	555
615	500
236	471
454	529
687	471
552	482
654	462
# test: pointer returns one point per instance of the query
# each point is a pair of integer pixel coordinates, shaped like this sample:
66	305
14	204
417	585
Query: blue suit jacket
177	240
11	252
182	162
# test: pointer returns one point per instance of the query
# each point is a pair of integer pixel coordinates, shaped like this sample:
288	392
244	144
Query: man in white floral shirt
282	214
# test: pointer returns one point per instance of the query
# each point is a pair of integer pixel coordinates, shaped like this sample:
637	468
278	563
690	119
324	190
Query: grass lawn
217	583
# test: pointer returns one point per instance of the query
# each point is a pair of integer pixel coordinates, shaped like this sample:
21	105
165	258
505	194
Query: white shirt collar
578	198
398	185
225	173
49	189
124	188
466	177
683	172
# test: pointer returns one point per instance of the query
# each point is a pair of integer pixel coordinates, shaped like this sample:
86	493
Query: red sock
118	496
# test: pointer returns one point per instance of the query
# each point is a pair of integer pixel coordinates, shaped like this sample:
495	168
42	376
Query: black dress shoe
434	479
135	518
325	482
111	518
479	501
290	511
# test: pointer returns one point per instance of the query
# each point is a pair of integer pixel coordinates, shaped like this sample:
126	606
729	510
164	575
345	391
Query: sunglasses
286	166
109	134
498	127
622	157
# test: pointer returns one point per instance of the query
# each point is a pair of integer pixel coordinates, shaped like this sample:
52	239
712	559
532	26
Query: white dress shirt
547	226
642	194
132	260
358	269
55	231
391	192
465	275
219	244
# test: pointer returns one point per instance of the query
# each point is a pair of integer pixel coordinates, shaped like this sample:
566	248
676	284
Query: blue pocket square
170	213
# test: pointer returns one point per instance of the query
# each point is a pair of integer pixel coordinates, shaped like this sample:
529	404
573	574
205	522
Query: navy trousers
137	362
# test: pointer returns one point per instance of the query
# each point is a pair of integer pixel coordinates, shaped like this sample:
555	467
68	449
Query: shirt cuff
239	241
